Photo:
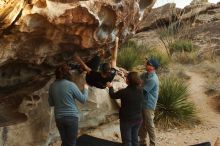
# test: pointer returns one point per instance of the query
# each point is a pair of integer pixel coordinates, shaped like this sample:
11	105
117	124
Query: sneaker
74	66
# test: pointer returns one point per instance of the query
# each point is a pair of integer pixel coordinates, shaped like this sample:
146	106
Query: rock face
196	2
200	18
159	16
168	14
38	35
40	129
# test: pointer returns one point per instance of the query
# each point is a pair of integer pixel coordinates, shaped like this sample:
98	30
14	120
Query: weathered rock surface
207	37
196	2
159	16
40	129
168	14
201	23
38	35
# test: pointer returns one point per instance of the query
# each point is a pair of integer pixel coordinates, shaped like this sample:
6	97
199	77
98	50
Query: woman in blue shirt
62	95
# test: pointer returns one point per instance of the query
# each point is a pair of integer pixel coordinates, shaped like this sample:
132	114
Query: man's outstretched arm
114	53
82	63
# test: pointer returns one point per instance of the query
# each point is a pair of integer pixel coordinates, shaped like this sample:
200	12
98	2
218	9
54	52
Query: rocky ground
208	130
202	79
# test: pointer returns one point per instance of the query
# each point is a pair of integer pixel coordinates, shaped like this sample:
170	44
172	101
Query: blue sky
179	3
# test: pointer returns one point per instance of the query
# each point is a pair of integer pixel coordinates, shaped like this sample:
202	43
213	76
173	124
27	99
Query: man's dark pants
68	129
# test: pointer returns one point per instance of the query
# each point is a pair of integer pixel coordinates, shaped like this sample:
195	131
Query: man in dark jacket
107	71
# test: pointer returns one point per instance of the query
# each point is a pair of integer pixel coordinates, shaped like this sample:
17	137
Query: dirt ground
208	111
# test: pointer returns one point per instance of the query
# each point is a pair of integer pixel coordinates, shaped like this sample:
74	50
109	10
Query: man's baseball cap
153	62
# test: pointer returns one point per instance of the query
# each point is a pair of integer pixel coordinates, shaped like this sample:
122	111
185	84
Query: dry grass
208	52
215	103
211	71
186	58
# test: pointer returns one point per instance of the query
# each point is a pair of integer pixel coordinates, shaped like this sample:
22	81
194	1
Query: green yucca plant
181	46
186	58
173	108
162	58
129	44
128	58
130	55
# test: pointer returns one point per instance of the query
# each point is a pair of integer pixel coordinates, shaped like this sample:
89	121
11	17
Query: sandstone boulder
38	35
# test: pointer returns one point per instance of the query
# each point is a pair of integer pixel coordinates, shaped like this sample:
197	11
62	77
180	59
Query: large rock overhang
38	35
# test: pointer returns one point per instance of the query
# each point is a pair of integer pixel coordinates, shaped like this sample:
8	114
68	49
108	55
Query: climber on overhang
107	71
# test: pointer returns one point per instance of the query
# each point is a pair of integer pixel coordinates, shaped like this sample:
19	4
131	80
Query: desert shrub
174	34
181	46
173	108
169	31
184	51
211	71
186	57
130	55
161	57
129	44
